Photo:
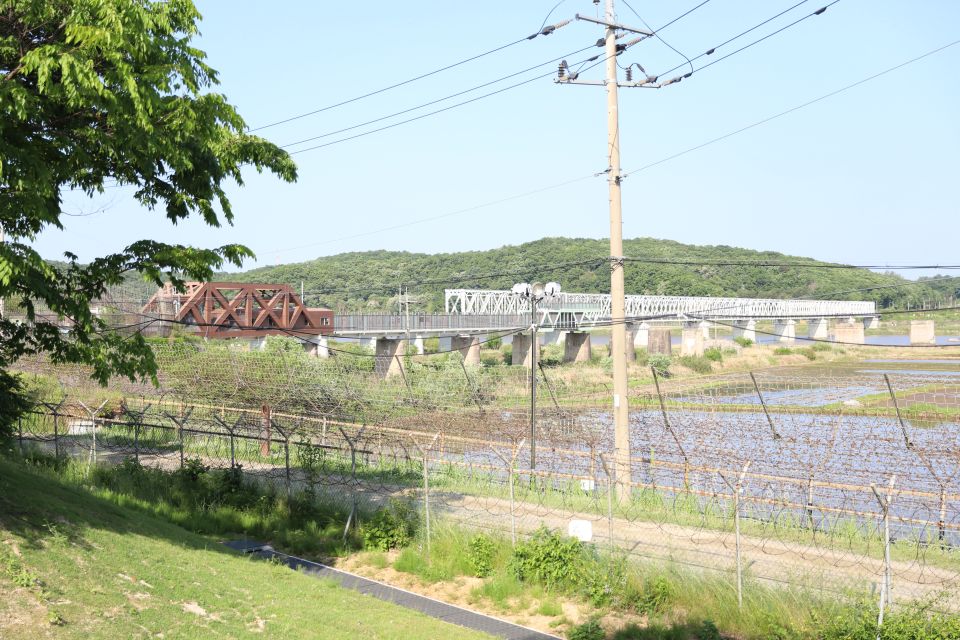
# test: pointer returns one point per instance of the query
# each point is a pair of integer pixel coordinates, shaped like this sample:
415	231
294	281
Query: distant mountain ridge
370	280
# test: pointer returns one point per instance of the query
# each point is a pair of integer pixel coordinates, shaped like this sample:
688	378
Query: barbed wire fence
845	480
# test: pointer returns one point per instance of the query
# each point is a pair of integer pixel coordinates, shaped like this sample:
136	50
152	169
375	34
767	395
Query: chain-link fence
843	478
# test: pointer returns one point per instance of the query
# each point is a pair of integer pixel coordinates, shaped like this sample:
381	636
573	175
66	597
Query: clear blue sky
868	176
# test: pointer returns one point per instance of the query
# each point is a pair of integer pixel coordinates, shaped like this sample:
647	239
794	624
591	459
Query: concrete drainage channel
433	608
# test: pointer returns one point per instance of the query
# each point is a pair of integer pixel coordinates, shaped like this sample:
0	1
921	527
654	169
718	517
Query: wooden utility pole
618	340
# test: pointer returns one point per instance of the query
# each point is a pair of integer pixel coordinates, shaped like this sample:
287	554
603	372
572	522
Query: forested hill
370	280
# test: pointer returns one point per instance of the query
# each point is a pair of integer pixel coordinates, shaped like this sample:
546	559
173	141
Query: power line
459	104
792	109
642	168
769	35
448	97
817	265
543	31
525	194
711	50
656	32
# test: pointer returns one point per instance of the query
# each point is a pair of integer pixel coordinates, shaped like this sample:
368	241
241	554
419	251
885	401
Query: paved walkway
429	606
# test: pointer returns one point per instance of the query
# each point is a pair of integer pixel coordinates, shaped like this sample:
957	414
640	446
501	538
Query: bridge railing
597	306
419	322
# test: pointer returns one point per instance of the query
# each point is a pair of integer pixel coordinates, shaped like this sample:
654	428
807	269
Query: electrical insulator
560	71
629	74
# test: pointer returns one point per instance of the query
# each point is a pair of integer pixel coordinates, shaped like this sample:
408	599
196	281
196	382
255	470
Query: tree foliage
96	94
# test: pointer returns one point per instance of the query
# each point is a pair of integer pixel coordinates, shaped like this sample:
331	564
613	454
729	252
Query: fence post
763	403
886	597
610	481
352	518
425	455
56	432
511	465
737	489
93	421
180	421
666	423
267	423
942	522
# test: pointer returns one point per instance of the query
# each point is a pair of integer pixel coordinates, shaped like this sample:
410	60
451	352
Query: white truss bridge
590	308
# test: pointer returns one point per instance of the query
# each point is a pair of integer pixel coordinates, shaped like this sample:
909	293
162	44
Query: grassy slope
98	570
368	280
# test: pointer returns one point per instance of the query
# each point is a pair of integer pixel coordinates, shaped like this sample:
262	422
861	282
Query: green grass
82	564
677	602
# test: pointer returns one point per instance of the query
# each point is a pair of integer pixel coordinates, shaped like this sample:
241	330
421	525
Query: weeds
482	549
391	527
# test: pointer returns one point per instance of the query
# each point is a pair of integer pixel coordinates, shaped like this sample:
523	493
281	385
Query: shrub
551	355
661	364
481	555
590	630
656	594
228	483
493	343
391	527
604	583
507	351
782	351
810	353
708	631
697	364
714	354
743	342
821	346
549	558
643	357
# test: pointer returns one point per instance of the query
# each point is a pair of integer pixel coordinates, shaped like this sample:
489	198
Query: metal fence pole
352	518
511	466
425	455
56	433
180	421
942	521
93	425
886	597
737	489
610	482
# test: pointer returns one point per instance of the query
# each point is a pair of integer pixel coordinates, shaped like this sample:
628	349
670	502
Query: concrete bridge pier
641	335
576	346
923	332
691	340
318	346
387	363
873	322
818	328
659	342
705	329
418	345
521	349
555	337
746	329
786	330
469	347
848	331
